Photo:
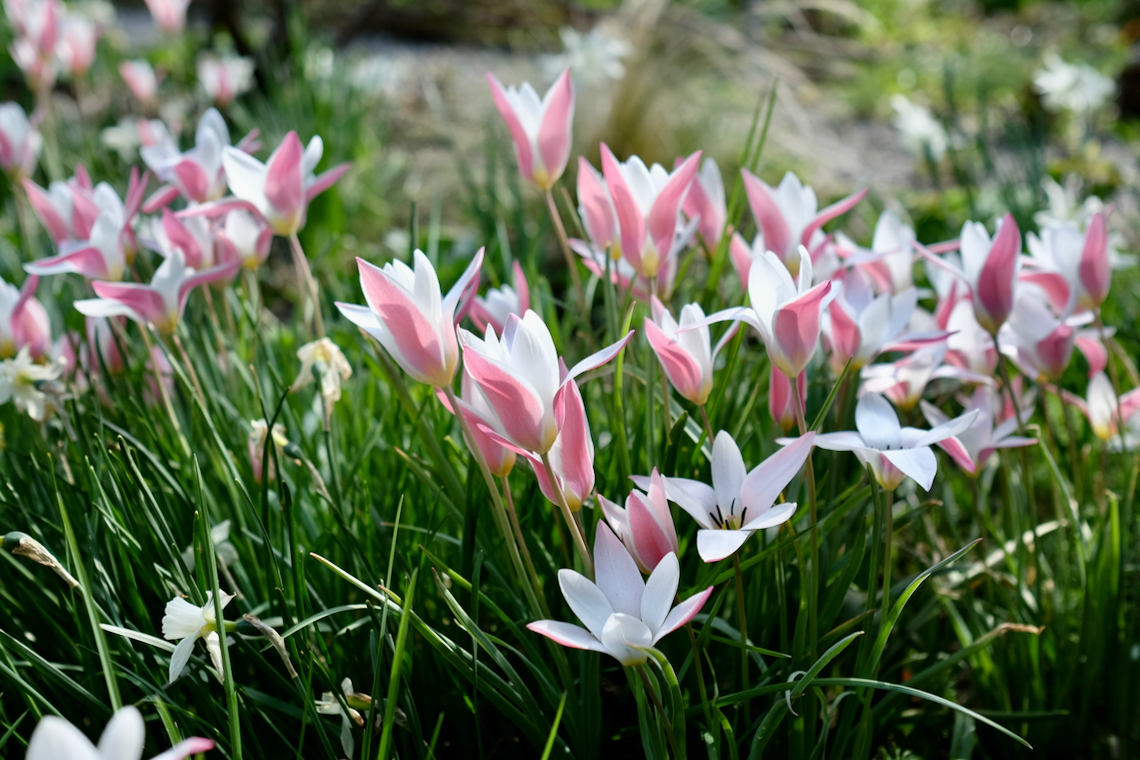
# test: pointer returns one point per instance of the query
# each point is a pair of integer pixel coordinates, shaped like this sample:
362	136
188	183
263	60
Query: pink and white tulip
890	261
521	377
408	315
1103	409
686	355
477	412
781	400
971	448
500	303
648	202
122	739
102	348
541	128
24	321
990	268
622	273
596	208
645	525
20	144
789	217
37	26
169	15
162	301
969	345
1081	258
225	78
623	615
894	452
739	502
244	237
904	381
1041	345
198	173
706	200
76	45
141	80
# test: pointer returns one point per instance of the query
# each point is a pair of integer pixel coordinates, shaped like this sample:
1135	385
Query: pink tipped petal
1095	269
419	342
141	299
567	635
514	124
598	213
161	198
1095	352
659	592
1054	284
88	262
763	485
741	255
557	123
616	572
182	238
652	539
515	401
220	272
42	205
220	208
325	180
597	359
681	368
845	335
193	178
947	429
920	464
630	219
284	177
795	328
715	545
777	515
777	235
682	613
577	465
185	748
663	215
463	287
994	289
836	209
959	454
522	289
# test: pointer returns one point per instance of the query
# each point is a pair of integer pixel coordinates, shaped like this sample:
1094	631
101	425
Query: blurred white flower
123	138
1065	205
225	78
22	380
326	358
187	623
918	129
1078	88
593	56
319	63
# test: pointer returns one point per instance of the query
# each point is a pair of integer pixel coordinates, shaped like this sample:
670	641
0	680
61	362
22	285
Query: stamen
743	512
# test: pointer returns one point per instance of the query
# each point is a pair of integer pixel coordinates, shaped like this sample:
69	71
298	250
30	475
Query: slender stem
742	620
1026	470
888	503
570	260
185	357
656	700
698	666
307	283
499	510
579	539
1112	377
523	548
162	390
813	512
1071	434
707	424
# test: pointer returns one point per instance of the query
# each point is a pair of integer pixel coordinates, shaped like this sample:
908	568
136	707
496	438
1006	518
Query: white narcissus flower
20	380
739	502
1078	88
918	130
186	623
892	451
122	739
623	614
328	704
333	368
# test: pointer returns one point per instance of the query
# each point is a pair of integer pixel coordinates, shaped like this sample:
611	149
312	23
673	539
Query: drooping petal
920	464
181	657
682	613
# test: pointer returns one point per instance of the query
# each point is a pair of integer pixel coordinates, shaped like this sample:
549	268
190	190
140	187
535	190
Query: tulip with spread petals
648	202
705	200
623	615
686	355
500	303
645	526
24	321
122	739
972	447
904	381
894	452
781	399
225	78
162	301
784	311
1081	258
789	218
1102	407
540	128
739	502
186	623
198	173
20	144
1041	345
519	375
409	317
169	15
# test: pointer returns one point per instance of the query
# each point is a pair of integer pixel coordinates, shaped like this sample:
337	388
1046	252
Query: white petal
948	429
586	600
693	496
919	464
714	545
777	515
727	471
246	177
620	631
567	635
56	739
659	592
124	736
616	572
180	657
877	422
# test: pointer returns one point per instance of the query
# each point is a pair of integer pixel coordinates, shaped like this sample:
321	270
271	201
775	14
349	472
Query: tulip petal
728	471
586	600
659	592
325	180
515	401
185	748
959	454
616	572
777	235
693	496
763	485
680	367
567	635
87	261
919	463
715	545
836	209
597	359
947	429
124	735
470	274
877	422
623	635
662	221
284	176
682	613
192	177
778	514
515	125
557	122
994	288
55	738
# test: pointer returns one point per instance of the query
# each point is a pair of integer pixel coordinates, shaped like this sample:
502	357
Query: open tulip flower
191	235
243	236
24	321
784	311
540	128
789	217
500	303
1041	345
159	303
739	502
1082	259
519	374
645	525
890	260
781	399
860	325
622	273
623	615
20	144
1103	409
972	447
596	209
198	173
990	268
686	355
280	189
705	201
904	381
892	451
186	623
122	739
648	202
409	317
968	344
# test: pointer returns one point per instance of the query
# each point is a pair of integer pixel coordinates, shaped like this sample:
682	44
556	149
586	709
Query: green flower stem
571	264
812	582
568	516
307	284
742	621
